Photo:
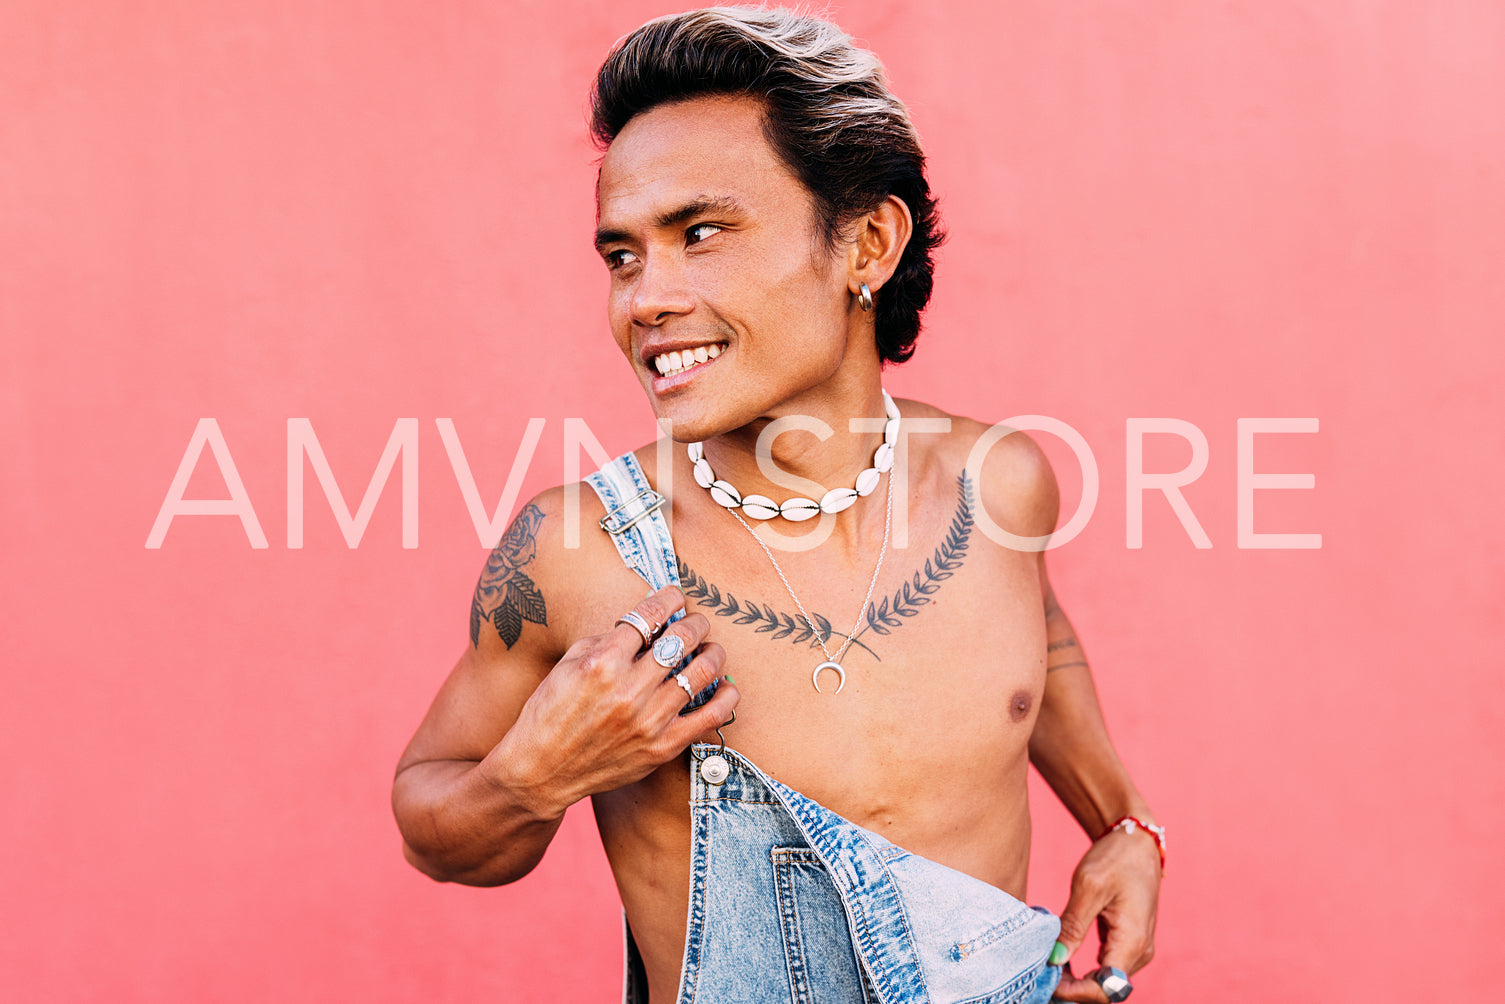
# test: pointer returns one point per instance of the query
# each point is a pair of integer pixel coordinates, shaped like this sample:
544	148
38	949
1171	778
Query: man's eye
700	232
616	259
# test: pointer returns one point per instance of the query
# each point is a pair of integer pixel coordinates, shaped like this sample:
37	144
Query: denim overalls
790	902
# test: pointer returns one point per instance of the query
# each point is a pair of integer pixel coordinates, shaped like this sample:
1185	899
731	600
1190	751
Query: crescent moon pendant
841	675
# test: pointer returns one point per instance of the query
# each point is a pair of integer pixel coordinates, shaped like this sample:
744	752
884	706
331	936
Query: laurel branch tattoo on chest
880	618
505	596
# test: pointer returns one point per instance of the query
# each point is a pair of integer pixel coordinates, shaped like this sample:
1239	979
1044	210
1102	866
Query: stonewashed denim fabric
791	902
645	544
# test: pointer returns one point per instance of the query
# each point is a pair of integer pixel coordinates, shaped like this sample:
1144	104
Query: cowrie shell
760	507
838	499
799	509
725	494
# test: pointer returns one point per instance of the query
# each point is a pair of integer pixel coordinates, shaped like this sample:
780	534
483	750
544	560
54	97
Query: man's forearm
462	824
1070	745
1071	749
1116	884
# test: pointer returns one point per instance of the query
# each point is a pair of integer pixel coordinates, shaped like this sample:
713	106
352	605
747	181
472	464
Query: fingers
668	697
654	611
1127	884
1073	988
682	729
716	712
676	641
1114	886
1088	897
1129	949
703	668
1083	907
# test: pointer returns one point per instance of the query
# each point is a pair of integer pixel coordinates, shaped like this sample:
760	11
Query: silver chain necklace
833	661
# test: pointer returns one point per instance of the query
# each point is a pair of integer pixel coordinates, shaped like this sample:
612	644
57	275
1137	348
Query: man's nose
661	292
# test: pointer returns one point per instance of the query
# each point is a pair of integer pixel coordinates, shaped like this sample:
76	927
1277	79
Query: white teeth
672	363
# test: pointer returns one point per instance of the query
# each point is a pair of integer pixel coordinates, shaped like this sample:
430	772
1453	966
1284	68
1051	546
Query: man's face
723	295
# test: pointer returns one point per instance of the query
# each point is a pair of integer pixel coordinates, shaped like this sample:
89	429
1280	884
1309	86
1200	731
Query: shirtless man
962	667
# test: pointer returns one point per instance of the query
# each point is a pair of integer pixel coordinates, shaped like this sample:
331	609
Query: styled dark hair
829	116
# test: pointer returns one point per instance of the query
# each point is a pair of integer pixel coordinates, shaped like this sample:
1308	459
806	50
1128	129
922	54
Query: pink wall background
354	213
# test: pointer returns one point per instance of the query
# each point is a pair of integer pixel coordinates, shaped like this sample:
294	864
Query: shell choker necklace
797	509
800	509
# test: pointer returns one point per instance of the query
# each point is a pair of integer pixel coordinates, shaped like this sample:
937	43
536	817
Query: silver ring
668	650
684	685
1114	981
636	620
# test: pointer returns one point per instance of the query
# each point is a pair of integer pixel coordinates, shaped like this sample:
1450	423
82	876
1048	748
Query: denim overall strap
636	525
635	522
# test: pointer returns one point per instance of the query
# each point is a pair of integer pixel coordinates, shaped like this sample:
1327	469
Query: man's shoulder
552	566
566	514
564	524
1007	469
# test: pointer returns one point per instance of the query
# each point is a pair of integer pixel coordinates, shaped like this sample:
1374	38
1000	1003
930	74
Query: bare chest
941	656
946	659
944	668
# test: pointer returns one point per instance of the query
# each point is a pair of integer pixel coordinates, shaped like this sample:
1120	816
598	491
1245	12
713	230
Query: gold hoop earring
864	297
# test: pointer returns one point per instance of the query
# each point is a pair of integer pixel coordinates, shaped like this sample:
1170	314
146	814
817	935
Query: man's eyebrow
605	236
705	205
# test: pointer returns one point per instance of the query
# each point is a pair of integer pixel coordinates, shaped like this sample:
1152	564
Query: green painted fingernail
729	679
1058	955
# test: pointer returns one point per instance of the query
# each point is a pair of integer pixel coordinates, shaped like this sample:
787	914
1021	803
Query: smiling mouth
675	363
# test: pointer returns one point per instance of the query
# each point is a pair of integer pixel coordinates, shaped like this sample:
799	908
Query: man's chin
689	430
684	422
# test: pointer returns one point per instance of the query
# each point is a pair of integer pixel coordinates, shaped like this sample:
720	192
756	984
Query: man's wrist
507	773
1104	807
1136	824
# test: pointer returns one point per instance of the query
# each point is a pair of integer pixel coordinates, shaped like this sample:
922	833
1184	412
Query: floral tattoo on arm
505	596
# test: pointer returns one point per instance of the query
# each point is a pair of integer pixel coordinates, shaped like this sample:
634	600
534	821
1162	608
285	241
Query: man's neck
781	455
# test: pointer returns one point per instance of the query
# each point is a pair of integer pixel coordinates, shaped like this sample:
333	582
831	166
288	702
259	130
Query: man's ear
879	238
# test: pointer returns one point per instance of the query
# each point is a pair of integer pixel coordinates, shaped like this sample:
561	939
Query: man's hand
1117	883
503	753
605	716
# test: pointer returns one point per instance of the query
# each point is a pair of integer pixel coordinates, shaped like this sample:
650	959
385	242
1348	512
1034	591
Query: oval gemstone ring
668	650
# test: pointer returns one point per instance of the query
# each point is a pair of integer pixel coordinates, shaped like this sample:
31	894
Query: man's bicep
478	702
514	640
1062	648
508	597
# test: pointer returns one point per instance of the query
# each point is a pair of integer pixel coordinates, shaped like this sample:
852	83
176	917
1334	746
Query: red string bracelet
1128	823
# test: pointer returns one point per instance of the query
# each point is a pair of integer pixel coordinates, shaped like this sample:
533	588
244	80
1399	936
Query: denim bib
791	902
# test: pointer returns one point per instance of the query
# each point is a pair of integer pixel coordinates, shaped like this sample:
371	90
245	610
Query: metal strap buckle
620	519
